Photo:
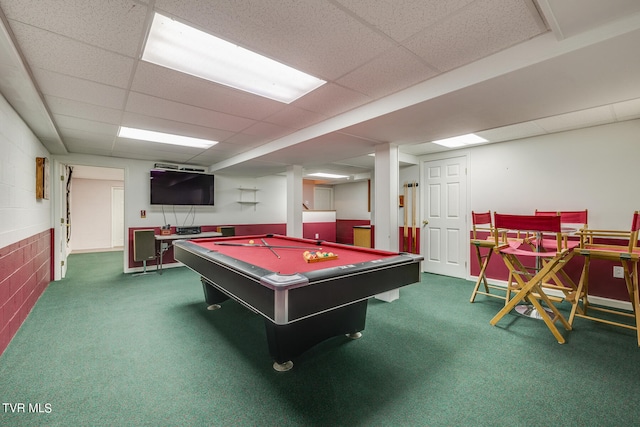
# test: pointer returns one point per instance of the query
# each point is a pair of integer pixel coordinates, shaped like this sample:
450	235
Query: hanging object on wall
42	178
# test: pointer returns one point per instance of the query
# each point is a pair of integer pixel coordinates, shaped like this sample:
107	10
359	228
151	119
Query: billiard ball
251	242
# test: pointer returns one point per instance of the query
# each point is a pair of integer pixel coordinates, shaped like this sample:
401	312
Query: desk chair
144	249
483	238
529	279
627	254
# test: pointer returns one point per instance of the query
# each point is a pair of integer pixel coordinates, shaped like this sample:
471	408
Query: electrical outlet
618	272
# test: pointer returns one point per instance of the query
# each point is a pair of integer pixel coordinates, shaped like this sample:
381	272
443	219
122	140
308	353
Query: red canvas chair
483	238
627	254
530	279
571	222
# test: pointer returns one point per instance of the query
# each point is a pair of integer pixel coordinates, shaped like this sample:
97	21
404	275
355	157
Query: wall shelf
248	197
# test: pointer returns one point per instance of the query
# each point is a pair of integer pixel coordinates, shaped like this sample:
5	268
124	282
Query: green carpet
105	348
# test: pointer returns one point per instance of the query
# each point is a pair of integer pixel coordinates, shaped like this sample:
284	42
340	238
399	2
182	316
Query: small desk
173	237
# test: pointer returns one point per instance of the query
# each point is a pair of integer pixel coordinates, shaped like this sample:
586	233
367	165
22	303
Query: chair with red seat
571	222
529	278
482	238
601	244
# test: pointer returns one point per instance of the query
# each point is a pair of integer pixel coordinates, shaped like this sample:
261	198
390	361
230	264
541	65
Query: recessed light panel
164	138
183	48
460	141
328	175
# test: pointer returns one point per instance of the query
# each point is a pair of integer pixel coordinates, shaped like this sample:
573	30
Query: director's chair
530	279
625	254
571	222
482	238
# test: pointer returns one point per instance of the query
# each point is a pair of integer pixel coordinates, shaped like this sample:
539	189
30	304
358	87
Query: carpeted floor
105	348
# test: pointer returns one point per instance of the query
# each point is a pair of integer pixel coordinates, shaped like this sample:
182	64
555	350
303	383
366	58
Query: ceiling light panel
460	141
164	138
183	48
328	175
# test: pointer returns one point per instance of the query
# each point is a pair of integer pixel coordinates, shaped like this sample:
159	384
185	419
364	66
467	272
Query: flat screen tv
172	187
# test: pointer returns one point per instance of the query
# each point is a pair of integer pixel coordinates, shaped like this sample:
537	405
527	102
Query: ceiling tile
268	131
394	70
67	87
295	118
160	81
66	56
321	38
576	16
85	125
483	28
403	18
79	146
115	25
244	140
156	107
68	107
331	100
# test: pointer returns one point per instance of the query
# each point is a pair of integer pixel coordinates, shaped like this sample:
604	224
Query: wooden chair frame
529	279
482	223
627	255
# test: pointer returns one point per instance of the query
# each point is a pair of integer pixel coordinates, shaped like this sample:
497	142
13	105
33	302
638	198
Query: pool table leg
291	340
212	296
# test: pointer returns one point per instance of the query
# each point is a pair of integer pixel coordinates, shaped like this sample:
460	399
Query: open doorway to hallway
96	209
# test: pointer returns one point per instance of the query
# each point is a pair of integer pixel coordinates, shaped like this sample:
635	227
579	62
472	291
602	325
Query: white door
445	238
323	198
117	217
63	222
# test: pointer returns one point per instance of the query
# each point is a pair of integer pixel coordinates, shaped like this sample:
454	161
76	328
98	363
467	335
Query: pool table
303	301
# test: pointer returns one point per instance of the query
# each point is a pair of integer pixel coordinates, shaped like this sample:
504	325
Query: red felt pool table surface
291	259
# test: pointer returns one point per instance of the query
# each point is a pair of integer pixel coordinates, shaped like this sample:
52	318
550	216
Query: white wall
91	213
594	168
350	200
271	196
21	214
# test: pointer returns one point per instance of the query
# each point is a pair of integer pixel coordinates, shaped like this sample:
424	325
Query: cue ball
251	242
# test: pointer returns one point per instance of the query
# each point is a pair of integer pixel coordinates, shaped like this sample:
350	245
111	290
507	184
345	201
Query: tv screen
171	187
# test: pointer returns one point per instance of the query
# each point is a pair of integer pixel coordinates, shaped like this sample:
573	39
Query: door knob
425	222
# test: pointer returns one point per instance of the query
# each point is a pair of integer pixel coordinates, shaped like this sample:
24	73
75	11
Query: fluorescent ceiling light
460	141
164	138
328	175
182	48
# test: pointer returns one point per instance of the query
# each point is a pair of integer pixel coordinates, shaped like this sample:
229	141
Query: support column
385	205
294	201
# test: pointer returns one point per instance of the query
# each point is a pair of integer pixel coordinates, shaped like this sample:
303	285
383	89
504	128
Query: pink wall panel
344	229
324	230
26	268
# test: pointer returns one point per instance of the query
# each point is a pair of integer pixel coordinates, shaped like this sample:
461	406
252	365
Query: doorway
445	237
91	209
323	198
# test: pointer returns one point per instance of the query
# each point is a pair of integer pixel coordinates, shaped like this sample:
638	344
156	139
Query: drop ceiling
403	72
